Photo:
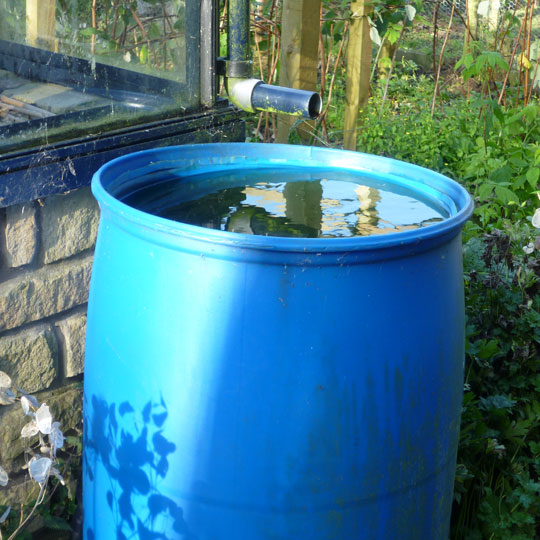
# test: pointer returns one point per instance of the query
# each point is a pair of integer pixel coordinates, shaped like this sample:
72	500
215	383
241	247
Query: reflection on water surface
286	203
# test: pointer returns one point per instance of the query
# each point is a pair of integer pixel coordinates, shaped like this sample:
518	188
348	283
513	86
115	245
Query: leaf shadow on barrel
131	447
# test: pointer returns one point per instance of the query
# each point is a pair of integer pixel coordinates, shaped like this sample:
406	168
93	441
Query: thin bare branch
505	81
435	91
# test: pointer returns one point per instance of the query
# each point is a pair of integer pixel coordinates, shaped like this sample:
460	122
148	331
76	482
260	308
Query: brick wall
46	250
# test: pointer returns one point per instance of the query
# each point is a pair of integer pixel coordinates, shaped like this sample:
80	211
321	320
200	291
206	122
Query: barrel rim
223	155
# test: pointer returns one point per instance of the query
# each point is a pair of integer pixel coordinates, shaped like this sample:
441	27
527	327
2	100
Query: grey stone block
20	490
29	357
21	234
69	224
74	331
52	289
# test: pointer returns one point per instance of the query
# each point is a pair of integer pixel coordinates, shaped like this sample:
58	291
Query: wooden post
300	27
40	23
358	69
472	18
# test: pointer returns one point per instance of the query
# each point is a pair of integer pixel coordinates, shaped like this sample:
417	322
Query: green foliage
405	130
493	150
480	63
502	164
13	20
389	17
497	489
123	34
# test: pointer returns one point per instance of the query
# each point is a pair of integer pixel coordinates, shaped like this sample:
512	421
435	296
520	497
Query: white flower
30	429
4	516
3	477
56	437
39	468
44	419
536	219
28	403
483	8
529	248
5	380
374	36
410	11
494	446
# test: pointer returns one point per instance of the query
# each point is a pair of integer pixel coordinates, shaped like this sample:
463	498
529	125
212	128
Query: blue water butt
246	387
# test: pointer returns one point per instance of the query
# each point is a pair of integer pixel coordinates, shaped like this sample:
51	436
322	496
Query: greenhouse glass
74	68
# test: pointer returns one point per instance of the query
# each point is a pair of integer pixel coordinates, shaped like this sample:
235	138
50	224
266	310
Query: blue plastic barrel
242	387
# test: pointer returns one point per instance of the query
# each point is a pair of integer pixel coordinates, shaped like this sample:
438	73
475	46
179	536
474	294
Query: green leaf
469	73
502	175
535	447
495	402
143	55
506	195
72	440
489	349
468	60
330	15
481	61
485	191
519	181
495	59
88	32
56	523
326	28
517	117
530	111
263	45
518	162
154	31
532	176
392	34
499	115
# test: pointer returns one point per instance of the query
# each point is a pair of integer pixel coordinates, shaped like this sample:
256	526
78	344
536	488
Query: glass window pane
70	68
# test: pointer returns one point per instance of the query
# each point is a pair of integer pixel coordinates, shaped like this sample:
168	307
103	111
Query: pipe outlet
253	95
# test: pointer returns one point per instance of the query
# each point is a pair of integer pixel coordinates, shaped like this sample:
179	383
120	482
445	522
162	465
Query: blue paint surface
255	388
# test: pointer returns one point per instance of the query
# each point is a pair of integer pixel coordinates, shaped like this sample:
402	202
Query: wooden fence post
300	27
40	23
358	69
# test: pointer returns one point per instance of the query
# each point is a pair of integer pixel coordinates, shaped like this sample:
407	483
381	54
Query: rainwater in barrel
275	346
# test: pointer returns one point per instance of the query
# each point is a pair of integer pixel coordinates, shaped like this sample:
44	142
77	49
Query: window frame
31	173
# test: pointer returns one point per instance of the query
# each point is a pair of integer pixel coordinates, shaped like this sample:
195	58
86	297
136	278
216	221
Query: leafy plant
497	490
44	440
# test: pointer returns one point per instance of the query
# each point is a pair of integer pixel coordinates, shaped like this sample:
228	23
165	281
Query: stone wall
46	250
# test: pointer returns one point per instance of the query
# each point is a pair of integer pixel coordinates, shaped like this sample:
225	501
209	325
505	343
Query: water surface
286	202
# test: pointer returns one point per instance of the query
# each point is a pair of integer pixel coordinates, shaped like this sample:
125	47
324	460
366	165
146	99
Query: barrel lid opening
127	186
